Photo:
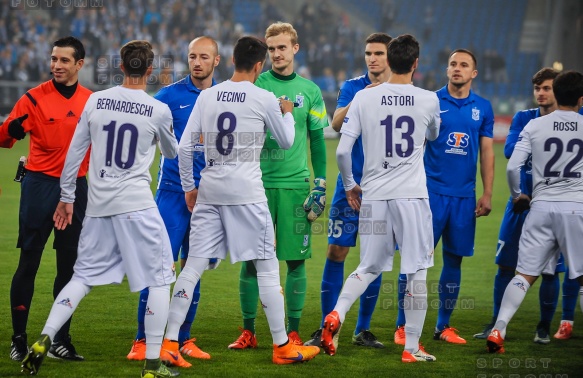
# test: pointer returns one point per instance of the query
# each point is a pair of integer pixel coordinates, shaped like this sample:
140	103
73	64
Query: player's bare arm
354	197
63	215
190	198
484	205
338	117
340	113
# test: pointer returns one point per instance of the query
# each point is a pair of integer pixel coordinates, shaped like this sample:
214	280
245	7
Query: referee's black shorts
39	196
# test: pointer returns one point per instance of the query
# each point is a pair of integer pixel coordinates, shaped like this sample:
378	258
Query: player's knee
268	278
162	290
189	274
337	253
505	269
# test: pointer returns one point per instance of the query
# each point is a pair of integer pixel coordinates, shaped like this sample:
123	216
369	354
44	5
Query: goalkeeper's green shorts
292	228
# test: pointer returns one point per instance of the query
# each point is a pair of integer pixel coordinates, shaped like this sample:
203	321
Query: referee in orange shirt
49	114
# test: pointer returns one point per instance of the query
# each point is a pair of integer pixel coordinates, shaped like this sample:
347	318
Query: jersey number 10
121	134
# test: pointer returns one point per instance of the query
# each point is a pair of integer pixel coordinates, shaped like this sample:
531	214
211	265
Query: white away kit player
394	118
555	220
230	210
123	232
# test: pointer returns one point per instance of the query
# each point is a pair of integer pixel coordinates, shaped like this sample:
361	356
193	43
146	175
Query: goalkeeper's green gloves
316	200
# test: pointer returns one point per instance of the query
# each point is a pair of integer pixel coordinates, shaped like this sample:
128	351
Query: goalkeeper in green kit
286	179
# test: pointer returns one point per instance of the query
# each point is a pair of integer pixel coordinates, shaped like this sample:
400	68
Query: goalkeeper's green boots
36	354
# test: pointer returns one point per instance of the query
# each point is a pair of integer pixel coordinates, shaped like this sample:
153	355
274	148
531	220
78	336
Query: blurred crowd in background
331	41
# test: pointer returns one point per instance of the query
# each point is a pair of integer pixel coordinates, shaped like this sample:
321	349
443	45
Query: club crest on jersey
458	142
300	101
475	114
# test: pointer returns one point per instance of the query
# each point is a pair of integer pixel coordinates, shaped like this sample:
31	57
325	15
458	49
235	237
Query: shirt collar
191	87
443	93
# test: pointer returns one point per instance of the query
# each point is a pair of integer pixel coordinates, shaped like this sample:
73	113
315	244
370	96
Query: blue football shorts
454	221
172	207
343	220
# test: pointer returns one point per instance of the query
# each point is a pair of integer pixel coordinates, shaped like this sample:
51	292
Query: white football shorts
135	244
246	231
407	222
551	227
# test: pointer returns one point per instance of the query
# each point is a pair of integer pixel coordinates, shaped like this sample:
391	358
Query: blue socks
332	280
184	333
548	296
368	301
502	279
570	295
142	314
401	297
449	284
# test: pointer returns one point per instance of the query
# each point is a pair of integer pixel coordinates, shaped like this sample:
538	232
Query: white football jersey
233	118
393	120
556	144
122	126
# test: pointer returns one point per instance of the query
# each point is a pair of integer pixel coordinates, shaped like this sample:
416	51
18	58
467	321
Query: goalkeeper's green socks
295	293
248	294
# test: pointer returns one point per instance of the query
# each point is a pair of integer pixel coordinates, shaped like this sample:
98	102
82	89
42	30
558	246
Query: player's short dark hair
248	52
402	53
136	57
544	74
466	51
383	38
568	88
73	42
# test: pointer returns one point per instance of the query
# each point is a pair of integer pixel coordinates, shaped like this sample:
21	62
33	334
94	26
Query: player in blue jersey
467	123
343	220
511	227
203	57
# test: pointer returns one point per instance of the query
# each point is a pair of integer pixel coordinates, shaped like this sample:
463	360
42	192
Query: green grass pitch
105	322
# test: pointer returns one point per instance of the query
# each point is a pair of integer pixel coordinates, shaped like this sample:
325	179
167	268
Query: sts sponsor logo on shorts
458	143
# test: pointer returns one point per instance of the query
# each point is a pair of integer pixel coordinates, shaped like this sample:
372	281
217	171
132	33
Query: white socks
513	297
415	305
271	298
64	306
155	319
182	294
353	288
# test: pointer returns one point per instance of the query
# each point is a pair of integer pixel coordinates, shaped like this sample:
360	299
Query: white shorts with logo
246	231
551	227
135	244
407	222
